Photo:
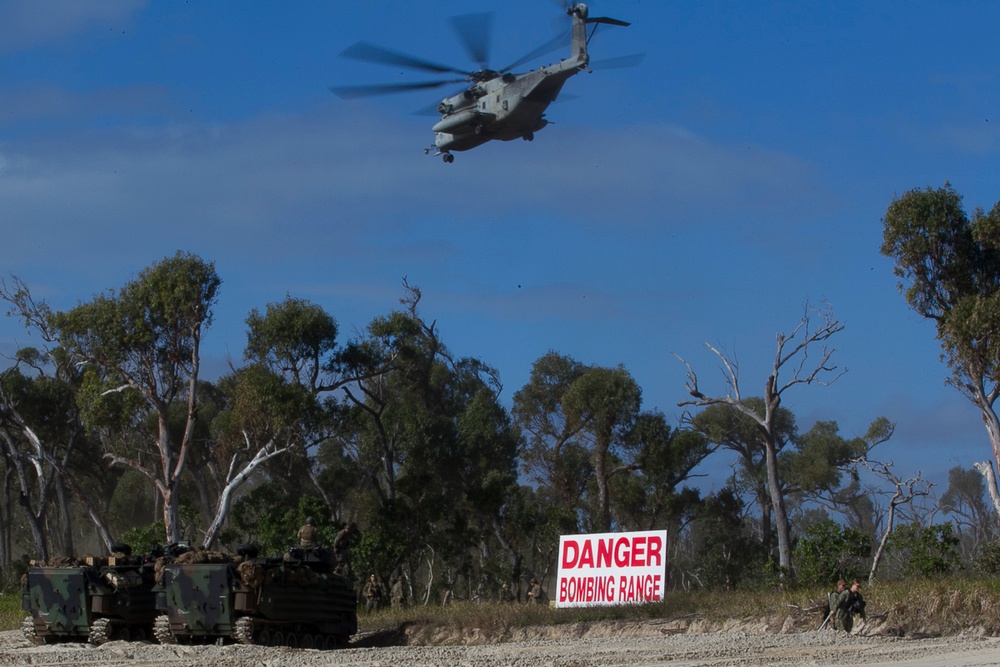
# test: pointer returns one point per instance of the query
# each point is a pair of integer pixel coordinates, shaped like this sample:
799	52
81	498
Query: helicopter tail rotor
581	10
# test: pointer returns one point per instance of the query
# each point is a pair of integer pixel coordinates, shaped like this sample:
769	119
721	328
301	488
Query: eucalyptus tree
427	432
295	342
729	428
791	356
265	418
553	455
586	433
948	264
652	495
142	342
46	448
965	500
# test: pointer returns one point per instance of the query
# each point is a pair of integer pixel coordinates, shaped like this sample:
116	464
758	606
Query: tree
45	445
904	492
430	439
732	429
948	264
725	554
828	552
552	457
965	500
651	496
926	551
578	419
145	341
792	353
263	421
607	401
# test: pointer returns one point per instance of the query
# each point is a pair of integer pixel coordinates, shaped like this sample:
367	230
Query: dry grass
943	607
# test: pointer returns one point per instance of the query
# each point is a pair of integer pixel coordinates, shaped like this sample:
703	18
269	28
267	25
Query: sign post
611	568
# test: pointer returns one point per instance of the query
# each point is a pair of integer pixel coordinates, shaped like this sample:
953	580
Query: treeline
110	433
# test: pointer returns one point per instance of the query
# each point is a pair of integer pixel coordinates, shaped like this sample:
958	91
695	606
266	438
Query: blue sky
706	195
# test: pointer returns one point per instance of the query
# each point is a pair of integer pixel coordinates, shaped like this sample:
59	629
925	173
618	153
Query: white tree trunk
234	480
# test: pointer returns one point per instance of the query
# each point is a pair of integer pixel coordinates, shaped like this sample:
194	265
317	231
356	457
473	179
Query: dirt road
647	648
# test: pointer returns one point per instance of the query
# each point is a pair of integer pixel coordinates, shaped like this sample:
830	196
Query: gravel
654	645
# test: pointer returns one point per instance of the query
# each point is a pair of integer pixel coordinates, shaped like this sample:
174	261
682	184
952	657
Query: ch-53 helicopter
498	104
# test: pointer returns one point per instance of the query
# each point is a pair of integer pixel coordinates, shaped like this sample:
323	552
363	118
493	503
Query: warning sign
611	568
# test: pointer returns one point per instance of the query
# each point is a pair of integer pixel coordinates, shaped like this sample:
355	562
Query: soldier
849	603
535	592
342	551
373	593
832	600
505	593
307	534
399	592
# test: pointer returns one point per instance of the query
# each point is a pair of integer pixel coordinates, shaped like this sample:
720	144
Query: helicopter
498	104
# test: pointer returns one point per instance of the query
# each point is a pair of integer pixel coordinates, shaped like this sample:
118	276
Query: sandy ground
650	645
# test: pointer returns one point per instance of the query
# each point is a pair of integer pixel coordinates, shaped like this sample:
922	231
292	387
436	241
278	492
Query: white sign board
611	568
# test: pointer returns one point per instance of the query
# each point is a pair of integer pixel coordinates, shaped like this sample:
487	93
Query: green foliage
926	552
821	455
828	552
988	560
293	337
269	517
726	556
379	549
144	538
11	614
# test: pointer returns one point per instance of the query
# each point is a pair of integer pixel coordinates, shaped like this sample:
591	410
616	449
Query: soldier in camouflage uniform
832	600
535	593
342	551
399	592
307	534
849	603
372	593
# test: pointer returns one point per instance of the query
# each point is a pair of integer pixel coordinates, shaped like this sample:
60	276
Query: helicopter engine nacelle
454	123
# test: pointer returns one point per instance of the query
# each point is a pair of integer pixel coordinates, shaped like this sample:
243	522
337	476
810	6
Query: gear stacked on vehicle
182	595
94	599
294	600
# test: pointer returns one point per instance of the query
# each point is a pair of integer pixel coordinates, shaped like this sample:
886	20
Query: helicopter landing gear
530	136
448	158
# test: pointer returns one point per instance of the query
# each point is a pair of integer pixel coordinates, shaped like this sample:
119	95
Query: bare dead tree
904	492
790	368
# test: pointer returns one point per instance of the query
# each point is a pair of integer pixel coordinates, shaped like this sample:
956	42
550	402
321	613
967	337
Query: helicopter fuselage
505	108
497	104
508	106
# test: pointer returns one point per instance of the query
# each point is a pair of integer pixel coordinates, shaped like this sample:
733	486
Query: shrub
829	552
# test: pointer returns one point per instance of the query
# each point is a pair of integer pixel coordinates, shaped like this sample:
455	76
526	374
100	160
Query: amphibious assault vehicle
95	598
296	600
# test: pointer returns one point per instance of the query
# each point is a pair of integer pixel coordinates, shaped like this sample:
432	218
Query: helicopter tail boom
581	19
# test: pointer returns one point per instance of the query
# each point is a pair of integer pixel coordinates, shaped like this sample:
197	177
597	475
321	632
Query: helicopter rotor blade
382	56
475	31
547	47
607	21
353	92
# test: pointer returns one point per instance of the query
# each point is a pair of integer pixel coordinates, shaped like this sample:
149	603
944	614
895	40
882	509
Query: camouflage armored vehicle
296	600
95	599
